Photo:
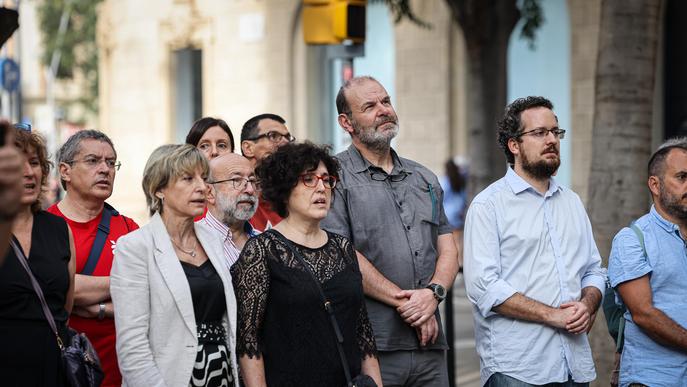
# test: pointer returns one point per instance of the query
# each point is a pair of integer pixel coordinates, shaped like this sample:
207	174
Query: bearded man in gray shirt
391	209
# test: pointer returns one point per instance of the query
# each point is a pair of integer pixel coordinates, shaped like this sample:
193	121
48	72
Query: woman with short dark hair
212	136
285	336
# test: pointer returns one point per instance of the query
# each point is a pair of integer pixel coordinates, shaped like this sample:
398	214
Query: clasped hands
574	316
417	310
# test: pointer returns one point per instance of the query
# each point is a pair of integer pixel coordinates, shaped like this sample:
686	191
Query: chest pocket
426	198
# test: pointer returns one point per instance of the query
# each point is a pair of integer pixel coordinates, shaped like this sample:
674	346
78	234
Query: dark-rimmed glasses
240	183
543	132
310	180
92	162
274	137
381	176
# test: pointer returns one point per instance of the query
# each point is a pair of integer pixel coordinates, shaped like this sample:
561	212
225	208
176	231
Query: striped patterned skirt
212	367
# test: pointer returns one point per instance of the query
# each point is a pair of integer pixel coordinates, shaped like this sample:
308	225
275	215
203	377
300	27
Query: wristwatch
438	290
101	311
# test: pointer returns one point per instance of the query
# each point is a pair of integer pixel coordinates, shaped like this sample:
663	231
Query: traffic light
333	21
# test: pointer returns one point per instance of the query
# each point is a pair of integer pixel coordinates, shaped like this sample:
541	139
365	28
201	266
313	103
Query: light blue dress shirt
517	240
644	360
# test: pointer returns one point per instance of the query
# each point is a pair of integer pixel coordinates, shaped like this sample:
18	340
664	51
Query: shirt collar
664	223
215	223
360	164
518	184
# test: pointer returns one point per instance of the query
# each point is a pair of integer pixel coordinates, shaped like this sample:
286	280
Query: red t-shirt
264	218
101	333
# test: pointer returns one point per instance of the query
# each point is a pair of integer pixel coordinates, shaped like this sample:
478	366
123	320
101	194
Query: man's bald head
232	198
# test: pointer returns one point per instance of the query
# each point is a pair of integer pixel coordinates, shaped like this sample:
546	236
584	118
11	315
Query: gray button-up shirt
395	224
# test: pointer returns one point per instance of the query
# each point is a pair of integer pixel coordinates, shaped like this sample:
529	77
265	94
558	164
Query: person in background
87	163
285	335
232	201
212	136
11	186
175	308
261	136
454	184
29	354
649	275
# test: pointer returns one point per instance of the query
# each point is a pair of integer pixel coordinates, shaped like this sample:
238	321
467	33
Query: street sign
9	74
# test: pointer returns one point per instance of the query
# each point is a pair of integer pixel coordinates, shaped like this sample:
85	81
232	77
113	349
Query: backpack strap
100	239
621	326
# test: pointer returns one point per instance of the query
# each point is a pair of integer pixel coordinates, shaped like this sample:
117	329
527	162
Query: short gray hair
72	146
165	164
342	105
657	162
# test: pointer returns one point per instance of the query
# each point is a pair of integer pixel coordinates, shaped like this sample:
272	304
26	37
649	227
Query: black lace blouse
280	312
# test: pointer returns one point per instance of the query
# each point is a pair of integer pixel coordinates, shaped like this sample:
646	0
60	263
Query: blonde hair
166	163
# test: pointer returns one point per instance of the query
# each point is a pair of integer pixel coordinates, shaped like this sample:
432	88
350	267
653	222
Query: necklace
192	252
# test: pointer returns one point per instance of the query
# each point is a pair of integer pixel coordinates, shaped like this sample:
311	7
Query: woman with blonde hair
174	304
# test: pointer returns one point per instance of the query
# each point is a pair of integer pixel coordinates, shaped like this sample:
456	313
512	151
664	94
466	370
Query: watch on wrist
438	290
101	311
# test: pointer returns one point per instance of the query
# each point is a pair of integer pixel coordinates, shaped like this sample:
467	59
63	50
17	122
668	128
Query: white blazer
156	327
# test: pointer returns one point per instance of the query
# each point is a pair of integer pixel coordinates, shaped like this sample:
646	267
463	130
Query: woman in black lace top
285	337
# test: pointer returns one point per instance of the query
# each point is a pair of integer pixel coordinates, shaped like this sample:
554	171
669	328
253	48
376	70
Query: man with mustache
392	210
532	269
87	164
232	201
649	275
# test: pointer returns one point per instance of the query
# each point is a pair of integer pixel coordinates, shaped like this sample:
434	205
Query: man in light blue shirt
532	270
652	280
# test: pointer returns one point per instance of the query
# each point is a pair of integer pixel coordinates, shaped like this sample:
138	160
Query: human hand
558	317
428	332
419	308
11	172
580	320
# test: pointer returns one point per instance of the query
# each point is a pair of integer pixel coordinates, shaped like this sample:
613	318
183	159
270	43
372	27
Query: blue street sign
9	74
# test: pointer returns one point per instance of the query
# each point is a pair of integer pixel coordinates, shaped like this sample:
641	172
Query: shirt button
407	227
417	253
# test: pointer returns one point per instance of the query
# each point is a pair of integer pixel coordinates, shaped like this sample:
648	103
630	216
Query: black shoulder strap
100	239
326	303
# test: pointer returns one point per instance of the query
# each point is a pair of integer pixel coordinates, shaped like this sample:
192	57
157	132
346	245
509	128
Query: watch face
440	291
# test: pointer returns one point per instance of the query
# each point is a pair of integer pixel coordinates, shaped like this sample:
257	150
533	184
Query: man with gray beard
391	209
232	201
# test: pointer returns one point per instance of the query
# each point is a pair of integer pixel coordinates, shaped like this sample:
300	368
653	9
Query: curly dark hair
280	171
510	125
27	141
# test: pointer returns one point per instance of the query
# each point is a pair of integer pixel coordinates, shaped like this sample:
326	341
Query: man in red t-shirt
260	136
87	164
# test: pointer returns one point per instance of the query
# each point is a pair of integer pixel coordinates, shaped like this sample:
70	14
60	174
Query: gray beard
375	141
230	213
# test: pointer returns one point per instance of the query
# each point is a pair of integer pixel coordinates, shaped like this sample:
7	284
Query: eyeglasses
310	180
274	137
543	132
240	183
381	176
23	126
93	162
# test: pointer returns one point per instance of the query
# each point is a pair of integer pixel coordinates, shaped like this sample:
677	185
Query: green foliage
530	12
79	53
